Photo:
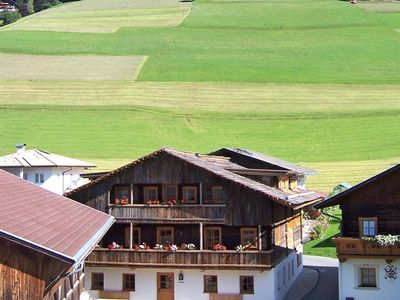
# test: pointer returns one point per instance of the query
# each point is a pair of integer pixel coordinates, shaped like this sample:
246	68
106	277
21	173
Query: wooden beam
201	236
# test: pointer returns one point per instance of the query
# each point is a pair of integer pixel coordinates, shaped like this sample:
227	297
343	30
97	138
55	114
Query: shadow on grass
326	243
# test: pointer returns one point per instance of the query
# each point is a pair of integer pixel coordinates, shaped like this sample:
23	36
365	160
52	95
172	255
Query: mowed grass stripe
332	173
289	42
72	67
105	16
122	133
192	98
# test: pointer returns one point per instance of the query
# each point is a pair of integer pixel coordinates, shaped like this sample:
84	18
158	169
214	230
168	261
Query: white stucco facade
349	280
268	285
55	179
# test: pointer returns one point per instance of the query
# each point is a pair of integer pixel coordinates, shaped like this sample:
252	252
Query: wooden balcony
358	248
142	213
261	260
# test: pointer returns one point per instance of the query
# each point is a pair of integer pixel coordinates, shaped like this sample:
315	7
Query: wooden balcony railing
169	214
181	259
353	247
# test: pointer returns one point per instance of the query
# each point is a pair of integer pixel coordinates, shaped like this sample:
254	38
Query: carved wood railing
347	247
169	214
181	259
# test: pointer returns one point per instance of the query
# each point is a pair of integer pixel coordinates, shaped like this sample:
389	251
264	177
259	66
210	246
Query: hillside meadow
314	82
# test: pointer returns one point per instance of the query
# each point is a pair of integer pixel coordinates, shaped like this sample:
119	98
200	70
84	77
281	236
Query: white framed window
150	193
39	177
368	226
189	194
367	276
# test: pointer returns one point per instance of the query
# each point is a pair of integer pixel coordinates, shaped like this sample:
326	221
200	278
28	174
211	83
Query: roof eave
34	246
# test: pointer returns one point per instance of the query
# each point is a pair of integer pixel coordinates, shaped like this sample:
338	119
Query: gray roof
287	198
40	158
270	160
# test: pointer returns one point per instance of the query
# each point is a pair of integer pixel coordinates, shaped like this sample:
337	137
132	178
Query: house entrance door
165	286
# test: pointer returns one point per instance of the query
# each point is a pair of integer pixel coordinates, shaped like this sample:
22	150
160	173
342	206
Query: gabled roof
266	159
47	222
336	199
285	198
40	158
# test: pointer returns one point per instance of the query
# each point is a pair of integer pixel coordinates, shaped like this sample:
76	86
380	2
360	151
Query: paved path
318	280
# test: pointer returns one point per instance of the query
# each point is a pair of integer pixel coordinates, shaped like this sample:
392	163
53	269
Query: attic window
368	226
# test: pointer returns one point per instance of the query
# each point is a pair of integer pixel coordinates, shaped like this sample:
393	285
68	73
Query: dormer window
368	226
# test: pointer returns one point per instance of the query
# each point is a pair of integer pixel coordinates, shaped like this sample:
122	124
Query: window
150	193
212	236
246	284
97	281
121	191
165	235
170	192
292	267
189	194
218	194
25	176
39	178
248	237
368	226
279	279
284	274
367	277
135	236
210	284
128	282
298	259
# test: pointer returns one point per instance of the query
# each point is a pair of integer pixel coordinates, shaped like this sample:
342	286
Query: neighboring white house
53	172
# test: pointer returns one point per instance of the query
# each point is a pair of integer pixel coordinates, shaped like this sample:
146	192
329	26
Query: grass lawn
105	16
71	67
325	246
300	123
264	41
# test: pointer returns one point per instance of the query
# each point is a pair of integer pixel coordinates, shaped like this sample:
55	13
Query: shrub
319	231
9	17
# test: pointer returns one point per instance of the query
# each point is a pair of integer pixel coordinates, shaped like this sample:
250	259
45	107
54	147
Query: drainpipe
63	174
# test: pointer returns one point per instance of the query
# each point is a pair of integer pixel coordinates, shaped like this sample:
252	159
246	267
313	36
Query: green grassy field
325	246
69	67
257	41
105	16
315	82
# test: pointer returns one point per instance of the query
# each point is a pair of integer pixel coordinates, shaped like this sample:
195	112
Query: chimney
20	148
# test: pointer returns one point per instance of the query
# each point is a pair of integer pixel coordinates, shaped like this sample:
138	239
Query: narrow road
327	285
318	280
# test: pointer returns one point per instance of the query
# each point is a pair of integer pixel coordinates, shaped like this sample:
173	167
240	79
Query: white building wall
53	177
265	282
348	281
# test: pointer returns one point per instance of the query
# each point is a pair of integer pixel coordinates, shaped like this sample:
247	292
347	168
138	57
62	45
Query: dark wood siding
25	273
380	199
245	207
